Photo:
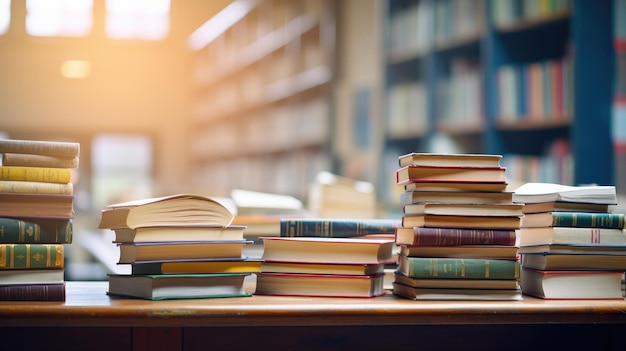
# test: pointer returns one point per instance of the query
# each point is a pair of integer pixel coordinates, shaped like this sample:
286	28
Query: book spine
35	174
33	292
459	268
588	220
457	236
40	147
30	160
336	228
24	256
17	186
18	231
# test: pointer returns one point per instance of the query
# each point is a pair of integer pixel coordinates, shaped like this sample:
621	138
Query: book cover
192	267
31	276
35	231
409	174
33	292
24	205
34	160
25	256
457	186
466	209
178	233
456	283
177	251
18	186
572	284
40	147
456	293
543	192
574	219
460	221
570	235
336	227
595	249
35	174
458	268
560	206
328	285
322	268
460	197
436	236
577	260
462	251
449	160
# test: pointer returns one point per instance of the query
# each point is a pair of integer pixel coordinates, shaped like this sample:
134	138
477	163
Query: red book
425	236
33	292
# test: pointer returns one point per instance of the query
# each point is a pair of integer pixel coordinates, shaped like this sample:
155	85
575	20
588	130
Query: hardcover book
572	284
458	268
456	283
18	186
459	197
570	235
462	251
464	209
328	285
40	147
460	221
31	276
322	268
178	234
192	267
543	192
336	227
23	205
450	174
176	251
456	294
449	159
36	231
457	186
29	256
575	261
573	219
34	160
32	292
36	174
426	236
560	206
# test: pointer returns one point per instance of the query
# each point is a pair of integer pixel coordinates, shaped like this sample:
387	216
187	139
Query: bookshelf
619	102
499	77
261	116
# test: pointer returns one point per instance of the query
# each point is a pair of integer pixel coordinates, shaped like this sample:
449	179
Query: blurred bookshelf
619	102
527	79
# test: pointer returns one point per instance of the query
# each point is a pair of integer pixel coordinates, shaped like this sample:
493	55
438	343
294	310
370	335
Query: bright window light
137	19
75	69
5	16
219	23
48	18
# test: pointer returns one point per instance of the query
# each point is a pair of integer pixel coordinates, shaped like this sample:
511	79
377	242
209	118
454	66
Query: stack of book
458	236
179	247
36	214
328	257
572	245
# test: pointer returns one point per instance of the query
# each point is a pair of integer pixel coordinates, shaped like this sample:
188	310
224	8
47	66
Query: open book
546	192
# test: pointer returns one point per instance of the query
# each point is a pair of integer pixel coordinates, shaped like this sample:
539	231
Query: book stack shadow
572	244
458	237
180	246
36	217
327	257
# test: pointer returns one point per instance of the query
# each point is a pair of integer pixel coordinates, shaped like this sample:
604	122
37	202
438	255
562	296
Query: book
458	268
573	219
171	251
327	250
191	267
463	209
572	284
35	160
36	231
172	210
40	147
178	234
426	236
35	174
461	197
596	249
456	294
178	286
570	235
18	186
321	268
328	285
336	227
32	292
460	221
28	256
475	186
31	276
449	160
462	251
24	205
456	283
409	174
544	192
266	225
560	206
575	261
262	203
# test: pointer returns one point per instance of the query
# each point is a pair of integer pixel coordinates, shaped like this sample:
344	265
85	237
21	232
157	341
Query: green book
25	256
458	268
588	220
336	227
35	231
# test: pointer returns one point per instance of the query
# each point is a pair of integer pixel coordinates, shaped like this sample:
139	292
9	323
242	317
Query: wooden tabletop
88	305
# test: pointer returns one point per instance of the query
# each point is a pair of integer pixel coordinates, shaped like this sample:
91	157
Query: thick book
18	186
571	235
36	231
457	186
327	285
560	206
36	174
24	205
178	286
425	236
31	276
173	251
574	219
464	209
336	227
456	283
572	284
460	197
193	267
40	147
322	268
173	210
328	250
461	221
449	159
33	292
34	160
458	268
29	256
413	293
574	261
462	251
543	192
595	249
409	174
178	234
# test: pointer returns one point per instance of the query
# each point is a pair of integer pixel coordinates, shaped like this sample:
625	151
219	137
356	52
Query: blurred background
173	96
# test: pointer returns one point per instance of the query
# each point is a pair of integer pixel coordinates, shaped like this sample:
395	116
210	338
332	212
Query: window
137	19
5	16
48	18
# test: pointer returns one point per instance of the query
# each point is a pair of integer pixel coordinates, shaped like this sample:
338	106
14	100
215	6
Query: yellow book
35	174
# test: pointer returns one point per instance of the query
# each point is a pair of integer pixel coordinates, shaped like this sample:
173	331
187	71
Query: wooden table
89	319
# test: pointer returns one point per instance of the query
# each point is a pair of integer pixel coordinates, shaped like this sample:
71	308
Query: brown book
418	196
177	234
462	251
329	285
560	206
40	147
450	174
34	160
425	236
143	252
456	186
466	209
33	292
461	221
322	268
450	160
25	205
456	283
574	260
